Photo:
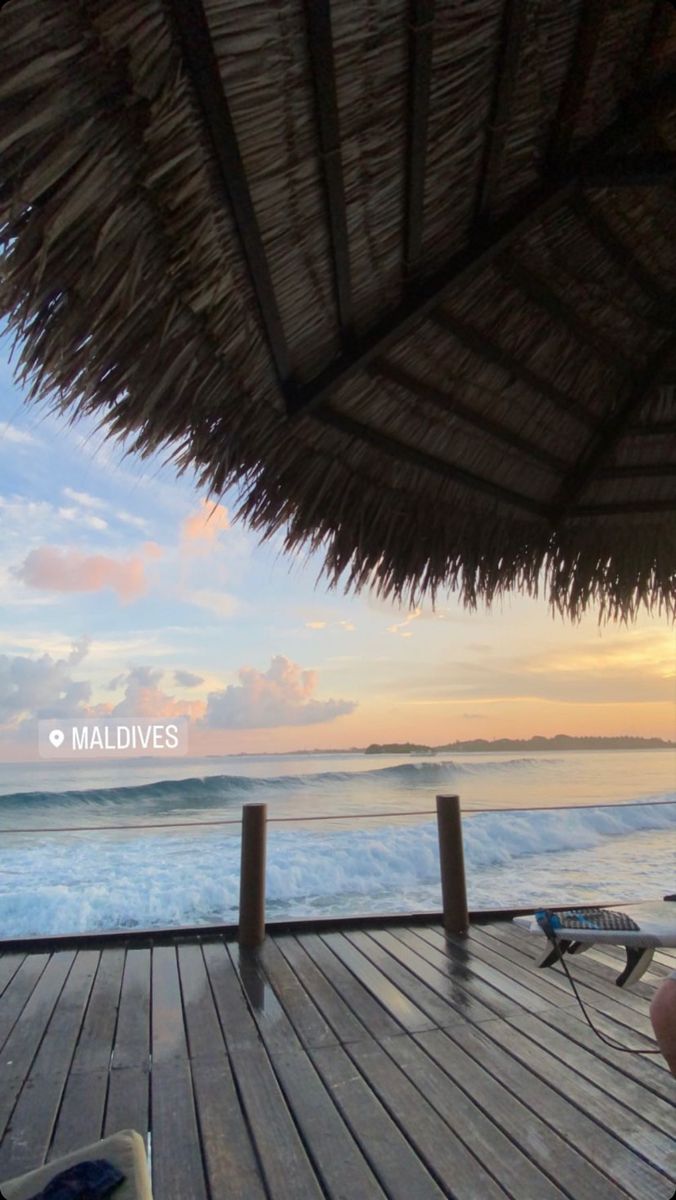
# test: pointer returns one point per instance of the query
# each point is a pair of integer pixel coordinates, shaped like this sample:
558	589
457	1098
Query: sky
124	591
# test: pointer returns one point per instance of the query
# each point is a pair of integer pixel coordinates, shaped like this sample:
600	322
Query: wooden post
452	862
252	875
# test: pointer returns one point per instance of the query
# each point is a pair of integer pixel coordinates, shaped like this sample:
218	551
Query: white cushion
124	1150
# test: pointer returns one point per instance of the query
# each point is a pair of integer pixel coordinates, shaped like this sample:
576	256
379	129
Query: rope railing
357	816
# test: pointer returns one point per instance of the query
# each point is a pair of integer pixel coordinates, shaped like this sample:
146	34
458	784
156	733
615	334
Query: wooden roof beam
203	73
528	281
484	246
484	347
421	458
506	75
320	48
634	169
469	416
611	430
420	39
594	221
588	35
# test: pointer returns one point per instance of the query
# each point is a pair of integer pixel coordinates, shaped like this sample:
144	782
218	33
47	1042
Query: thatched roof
404	271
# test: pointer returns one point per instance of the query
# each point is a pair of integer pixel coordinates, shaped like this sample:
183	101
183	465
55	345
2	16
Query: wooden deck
380	1062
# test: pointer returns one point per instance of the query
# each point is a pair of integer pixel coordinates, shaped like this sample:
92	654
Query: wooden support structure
452	863
252	875
506	75
320	48
591	20
421	20
612	429
420	458
202	67
454	407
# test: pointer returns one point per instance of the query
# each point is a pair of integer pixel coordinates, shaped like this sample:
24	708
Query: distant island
561	741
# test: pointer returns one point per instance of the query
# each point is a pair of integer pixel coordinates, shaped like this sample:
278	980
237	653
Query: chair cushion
125	1150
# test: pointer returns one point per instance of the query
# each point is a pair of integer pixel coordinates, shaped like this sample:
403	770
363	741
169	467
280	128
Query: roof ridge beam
530	282
588	35
204	77
514	15
485	245
430	462
420	42
322	63
455	408
617	249
484	347
610	432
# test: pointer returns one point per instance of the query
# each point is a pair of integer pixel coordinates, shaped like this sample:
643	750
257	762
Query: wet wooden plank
501	1156
18	992
205	1036
80	1118
236	1021
178	1172
335	1156
34	1117
22	1043
231	1166
132	1038
409	1017
9	965
428	988
345	1025
127	1105
365	1007
95	1044
286	1167
307	1019
579	1155
446	1158
392	1158
648	1071
616	1115
466	984
500	980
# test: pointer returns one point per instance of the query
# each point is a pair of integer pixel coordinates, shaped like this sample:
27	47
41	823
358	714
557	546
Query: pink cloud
206	524
282	695
70	571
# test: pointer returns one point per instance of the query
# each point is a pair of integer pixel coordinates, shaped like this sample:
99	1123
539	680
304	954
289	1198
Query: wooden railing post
252	875
452	862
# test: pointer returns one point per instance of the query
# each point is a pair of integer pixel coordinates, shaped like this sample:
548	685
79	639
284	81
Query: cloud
41	687
85	519
346	626
220	603
143	697
316	624
187	679
205	525
83	498
17	437
402	630
282	695
52	569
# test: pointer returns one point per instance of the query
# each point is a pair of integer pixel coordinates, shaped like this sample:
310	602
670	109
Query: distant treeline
561	741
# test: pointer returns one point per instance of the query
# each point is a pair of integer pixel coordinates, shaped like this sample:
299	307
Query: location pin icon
56	738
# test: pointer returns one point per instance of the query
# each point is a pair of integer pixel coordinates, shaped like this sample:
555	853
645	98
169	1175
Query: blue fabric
90	1180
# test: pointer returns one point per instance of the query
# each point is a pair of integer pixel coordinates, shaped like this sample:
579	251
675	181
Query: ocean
348	834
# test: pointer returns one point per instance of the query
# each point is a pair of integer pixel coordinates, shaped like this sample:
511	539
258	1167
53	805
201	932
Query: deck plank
178	1172
127	1105
408	1015
379	1063
34	1117
371	1014
586	1159
336	1157
80	1118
